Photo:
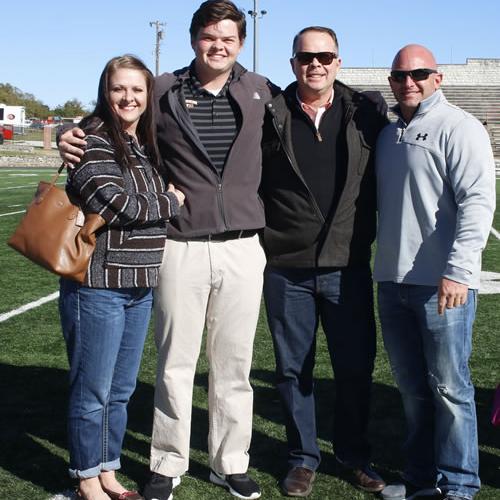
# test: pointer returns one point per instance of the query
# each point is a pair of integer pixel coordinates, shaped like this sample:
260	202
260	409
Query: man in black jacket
319	195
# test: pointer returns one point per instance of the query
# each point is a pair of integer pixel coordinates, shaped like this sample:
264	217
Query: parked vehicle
12	115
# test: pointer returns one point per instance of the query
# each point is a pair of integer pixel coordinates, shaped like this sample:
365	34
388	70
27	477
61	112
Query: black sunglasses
417	75
324	58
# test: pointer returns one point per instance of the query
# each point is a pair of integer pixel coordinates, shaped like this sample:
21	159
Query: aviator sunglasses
324	58
417	75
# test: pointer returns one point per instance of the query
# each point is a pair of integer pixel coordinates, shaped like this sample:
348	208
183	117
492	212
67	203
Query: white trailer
13	115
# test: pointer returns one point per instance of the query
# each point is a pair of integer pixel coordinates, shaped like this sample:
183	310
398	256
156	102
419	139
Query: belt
227	235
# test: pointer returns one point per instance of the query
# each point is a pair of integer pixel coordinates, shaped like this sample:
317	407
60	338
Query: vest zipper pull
318	136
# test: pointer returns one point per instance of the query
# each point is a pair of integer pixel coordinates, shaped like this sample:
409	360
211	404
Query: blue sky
56	49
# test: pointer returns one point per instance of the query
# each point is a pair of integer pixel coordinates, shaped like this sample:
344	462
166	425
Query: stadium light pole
256	15
159	36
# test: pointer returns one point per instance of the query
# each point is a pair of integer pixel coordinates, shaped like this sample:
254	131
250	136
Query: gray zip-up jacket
214	204
436	196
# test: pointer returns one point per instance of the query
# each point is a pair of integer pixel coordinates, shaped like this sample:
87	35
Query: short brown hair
214	11
319	29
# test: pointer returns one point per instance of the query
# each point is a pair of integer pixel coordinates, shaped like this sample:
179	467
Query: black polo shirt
215	118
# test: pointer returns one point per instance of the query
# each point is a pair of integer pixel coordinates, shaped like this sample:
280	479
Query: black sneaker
408	491
160	487
239	485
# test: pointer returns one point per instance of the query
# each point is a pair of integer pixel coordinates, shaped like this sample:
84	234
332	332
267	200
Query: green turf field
33	457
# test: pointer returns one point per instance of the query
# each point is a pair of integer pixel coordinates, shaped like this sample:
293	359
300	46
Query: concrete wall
474	72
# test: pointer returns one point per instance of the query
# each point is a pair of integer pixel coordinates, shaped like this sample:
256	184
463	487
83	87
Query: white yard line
490	282
13	213
20	169
27	307
19	187
495	233
30	186
24	175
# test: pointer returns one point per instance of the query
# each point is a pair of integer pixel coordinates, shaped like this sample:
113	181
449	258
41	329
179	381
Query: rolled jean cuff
459	494
95	471
305	464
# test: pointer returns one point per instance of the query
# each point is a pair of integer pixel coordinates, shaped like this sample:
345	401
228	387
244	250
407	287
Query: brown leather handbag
55	234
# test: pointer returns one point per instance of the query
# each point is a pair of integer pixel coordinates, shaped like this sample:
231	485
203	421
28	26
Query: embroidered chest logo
421	136
190	104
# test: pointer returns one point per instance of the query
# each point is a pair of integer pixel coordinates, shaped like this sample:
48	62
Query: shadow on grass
32	424
387	429
33	428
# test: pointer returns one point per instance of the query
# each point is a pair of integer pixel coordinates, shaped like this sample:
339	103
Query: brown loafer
298	482
364	478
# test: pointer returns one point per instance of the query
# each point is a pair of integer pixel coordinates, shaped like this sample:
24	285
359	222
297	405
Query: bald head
414	56
414	78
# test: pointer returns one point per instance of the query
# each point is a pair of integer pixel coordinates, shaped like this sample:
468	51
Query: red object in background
8	132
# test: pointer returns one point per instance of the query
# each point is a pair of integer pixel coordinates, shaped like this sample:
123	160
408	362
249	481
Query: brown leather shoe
298	482
364	478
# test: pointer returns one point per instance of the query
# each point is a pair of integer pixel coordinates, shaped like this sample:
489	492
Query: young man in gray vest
209	121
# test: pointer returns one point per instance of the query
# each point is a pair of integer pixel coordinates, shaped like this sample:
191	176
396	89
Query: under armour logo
421	136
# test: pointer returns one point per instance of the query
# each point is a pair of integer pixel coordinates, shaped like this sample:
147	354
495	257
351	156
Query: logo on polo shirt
421	136
256	96
190	103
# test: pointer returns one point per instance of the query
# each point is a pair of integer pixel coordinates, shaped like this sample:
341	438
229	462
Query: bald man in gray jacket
436	198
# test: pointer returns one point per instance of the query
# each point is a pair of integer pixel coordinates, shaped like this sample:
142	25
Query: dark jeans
296	299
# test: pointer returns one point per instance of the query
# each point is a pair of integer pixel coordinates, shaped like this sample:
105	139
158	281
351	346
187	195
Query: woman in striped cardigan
105	319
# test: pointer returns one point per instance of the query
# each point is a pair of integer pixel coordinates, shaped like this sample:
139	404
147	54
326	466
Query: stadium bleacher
474	86
481	101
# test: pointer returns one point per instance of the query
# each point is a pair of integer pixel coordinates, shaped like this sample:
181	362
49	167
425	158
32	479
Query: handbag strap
42	193
57	174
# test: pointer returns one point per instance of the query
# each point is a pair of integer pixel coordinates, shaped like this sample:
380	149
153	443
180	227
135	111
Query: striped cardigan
135	205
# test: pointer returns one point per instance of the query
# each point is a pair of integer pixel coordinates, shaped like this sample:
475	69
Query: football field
33	388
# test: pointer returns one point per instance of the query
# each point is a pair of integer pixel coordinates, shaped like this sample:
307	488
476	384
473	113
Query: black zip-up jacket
214	204
297	234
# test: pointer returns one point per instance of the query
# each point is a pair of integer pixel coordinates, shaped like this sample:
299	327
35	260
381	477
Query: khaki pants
217	285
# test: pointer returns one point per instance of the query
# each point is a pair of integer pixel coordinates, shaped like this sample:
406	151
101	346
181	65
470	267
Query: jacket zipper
297	171
221	203
400	138
345	123
183	125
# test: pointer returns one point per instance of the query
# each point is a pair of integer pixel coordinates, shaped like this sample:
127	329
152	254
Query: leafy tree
12	96
70	108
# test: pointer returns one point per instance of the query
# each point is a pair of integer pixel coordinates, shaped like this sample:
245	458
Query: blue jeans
296	300
429	357
104	330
